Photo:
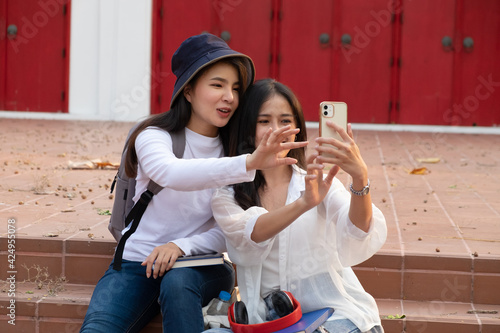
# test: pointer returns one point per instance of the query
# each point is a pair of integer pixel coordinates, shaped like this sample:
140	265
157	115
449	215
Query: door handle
12	31
346	39
225	35
468	44
324	38
447	43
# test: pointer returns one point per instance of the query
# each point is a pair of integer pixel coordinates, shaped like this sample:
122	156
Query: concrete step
39	311
388	275
435	293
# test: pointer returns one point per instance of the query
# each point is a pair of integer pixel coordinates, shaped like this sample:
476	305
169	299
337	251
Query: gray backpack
124	211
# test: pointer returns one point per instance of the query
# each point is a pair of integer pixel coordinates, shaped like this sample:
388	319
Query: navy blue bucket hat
198	52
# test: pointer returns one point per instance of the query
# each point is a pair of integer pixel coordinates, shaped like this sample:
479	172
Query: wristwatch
364	191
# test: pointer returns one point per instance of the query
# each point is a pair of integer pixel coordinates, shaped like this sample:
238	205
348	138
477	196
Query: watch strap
364	191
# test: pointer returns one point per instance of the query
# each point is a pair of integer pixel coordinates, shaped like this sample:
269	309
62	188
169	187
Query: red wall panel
394	67
249	25
363	72
357	73
305	64
3	48
426	71
36	57
173	22
477	97
246	23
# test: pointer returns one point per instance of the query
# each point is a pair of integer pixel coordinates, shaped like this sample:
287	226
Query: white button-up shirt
315	253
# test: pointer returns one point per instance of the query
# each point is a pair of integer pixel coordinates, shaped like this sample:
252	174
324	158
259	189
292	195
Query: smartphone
335	112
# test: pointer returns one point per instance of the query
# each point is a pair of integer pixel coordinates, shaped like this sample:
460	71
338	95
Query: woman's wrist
302	205
249	163
360	180
359	183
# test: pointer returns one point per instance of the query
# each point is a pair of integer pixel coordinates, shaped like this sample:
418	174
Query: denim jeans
334	326
126	300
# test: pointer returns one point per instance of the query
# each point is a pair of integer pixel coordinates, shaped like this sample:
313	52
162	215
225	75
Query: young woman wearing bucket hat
211	78
296	229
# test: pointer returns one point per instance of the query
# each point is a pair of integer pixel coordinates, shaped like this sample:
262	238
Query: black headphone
279	301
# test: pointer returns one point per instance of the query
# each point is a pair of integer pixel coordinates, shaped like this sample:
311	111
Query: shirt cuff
248	233
184	245
251	173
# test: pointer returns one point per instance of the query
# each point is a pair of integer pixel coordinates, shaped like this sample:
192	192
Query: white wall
110	60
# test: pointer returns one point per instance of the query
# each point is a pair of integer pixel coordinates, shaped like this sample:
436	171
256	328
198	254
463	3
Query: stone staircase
415	293
440	265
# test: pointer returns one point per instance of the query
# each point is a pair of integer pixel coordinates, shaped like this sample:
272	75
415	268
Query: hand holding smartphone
335	112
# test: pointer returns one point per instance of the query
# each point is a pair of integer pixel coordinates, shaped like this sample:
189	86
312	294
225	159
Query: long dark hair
243	130
178	116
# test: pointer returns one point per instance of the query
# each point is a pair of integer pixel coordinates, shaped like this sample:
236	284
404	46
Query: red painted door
35	57
342	52
363	71
426	66
245	25
247	28
477	97
403	61
173	22
306	53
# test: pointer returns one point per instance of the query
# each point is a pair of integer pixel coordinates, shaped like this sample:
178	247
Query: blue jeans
126	300
334	326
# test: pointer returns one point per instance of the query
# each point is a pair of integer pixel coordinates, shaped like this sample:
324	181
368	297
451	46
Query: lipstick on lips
224	112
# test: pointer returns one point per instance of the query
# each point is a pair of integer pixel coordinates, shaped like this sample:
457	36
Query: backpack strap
135	215
178	142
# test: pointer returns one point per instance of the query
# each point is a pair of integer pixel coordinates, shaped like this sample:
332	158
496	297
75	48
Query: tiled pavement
440	265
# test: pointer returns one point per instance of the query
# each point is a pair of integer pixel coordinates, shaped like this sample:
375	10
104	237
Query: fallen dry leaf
418	171
93	164
107	165
429	160
81	165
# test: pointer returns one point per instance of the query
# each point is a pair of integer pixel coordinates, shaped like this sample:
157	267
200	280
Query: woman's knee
179	283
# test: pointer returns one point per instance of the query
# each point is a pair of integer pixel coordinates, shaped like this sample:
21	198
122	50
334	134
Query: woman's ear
187	92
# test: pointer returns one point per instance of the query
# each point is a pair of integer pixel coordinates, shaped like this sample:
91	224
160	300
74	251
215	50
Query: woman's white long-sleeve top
181	213
315	253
